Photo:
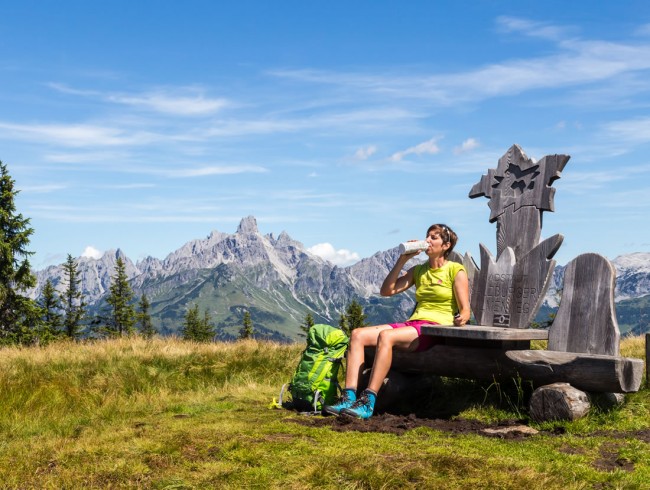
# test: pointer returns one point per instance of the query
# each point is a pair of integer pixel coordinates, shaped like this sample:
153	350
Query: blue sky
141	125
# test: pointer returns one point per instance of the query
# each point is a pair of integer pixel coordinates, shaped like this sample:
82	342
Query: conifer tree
246	331
190	323
307	323
343	325
143	318
74	307
354	316
122	318
205	331
19	315
50	302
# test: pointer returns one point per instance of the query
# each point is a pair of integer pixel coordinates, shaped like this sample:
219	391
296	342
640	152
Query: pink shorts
425	342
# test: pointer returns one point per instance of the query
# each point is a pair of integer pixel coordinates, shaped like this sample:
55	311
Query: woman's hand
461	318
461	292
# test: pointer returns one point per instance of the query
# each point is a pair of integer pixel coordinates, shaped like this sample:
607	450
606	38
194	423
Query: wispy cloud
76	135
429	147
632	130
216	170
531	28
365	152
468	145
576	62
43	189
179	102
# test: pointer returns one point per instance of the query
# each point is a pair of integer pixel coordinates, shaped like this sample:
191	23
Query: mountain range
279	282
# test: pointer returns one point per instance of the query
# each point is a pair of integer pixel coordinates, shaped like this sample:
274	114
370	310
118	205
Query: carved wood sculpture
508	291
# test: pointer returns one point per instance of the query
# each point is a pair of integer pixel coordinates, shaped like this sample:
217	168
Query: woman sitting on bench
442	290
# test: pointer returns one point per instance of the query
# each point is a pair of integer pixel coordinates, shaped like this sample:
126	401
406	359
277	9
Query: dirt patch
609	460
398	424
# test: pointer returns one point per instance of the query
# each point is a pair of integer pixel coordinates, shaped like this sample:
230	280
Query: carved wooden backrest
508	291
586	320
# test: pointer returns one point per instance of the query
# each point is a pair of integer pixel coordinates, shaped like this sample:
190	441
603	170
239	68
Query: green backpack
314	383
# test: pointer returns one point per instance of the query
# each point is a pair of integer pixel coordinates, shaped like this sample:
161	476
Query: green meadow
168	414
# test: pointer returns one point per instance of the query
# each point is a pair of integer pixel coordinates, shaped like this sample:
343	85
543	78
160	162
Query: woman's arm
394	283
461	292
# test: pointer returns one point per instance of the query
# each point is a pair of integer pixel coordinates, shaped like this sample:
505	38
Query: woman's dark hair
447	235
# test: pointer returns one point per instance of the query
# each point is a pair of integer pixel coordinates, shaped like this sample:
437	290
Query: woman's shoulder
455	267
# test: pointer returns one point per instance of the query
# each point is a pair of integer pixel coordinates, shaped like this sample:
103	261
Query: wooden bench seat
485	332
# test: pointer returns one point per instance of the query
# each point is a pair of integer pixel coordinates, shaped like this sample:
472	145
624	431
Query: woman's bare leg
404	338
360	338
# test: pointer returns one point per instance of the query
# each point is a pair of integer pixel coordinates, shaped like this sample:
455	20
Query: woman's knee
365	336
386	338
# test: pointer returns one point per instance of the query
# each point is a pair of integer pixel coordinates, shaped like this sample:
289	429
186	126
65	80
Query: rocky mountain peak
248	226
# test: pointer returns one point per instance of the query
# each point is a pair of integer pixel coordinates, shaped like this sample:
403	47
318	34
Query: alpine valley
279	282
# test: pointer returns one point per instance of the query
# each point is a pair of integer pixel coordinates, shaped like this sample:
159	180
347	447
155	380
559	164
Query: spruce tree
246	331
343	325
205	331
19	315
50	302
307	323
354	316
191	324
143	318
74	307
122	318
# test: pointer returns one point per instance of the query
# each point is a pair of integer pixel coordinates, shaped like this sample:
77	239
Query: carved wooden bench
506	293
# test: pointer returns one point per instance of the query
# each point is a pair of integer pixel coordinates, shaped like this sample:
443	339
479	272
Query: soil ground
514	430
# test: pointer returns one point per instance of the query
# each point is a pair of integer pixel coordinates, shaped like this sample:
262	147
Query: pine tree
50	302
74	307
122	318
191	324
307	324
143	318
205	331
19	315
246	331
343	325
354	316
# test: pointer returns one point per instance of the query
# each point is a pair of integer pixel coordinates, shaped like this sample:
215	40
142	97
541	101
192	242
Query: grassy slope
169	414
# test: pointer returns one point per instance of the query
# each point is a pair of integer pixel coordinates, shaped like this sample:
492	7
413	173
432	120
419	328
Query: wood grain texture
558	401
586	319
589	372
484	332
490	300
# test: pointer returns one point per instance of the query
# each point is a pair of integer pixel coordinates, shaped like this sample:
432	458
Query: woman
442	289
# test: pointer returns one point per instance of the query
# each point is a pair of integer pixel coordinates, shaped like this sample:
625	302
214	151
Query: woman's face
436	243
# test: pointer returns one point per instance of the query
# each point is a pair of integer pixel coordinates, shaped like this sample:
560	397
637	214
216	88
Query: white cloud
468	145
429	147
75	135
340	257
179	102
531	28
179	106
631	130
43	189
218	170
365	152
92	253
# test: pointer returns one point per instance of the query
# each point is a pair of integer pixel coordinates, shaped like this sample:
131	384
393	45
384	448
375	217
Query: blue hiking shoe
363	407
348	397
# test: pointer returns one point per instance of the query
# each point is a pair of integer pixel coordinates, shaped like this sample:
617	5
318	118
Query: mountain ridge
277	278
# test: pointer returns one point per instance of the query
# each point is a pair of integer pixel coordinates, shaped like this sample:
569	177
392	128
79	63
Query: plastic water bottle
415	246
